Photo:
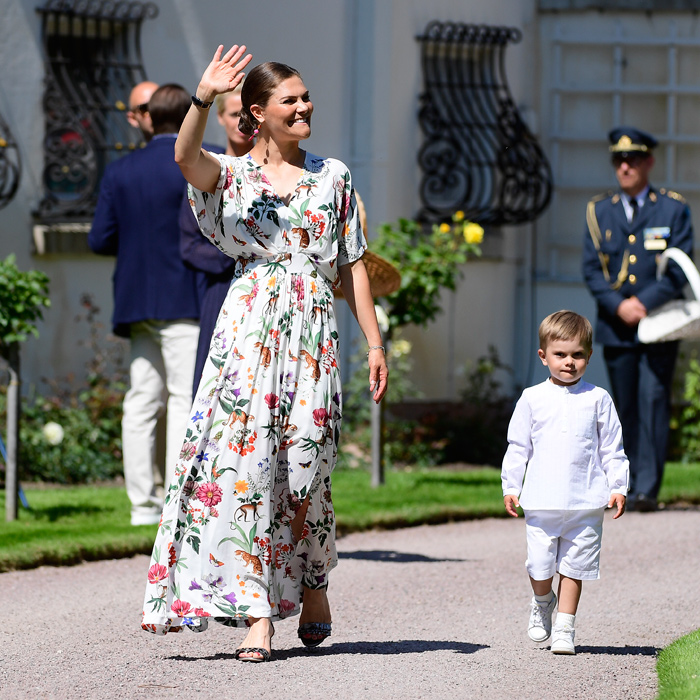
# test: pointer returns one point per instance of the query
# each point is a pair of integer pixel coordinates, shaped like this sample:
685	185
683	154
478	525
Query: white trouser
162	365
567	541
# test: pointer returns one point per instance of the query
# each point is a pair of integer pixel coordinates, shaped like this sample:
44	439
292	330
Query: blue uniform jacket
619	258
136	219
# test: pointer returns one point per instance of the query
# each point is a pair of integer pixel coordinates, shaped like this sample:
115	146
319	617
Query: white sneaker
563	639
540	626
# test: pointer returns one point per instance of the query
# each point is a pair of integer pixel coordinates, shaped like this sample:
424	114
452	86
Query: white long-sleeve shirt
564	449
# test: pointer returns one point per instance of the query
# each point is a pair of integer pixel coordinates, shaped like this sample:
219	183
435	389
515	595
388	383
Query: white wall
361	63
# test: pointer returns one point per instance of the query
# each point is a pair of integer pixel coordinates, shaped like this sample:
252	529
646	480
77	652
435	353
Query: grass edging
678	669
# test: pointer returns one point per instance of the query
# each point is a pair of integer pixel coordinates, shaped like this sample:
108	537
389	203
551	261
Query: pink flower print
188	450
210	494
199	612
229	178
272	401
181	608
321	417
157	573
213	512
286	606
298	286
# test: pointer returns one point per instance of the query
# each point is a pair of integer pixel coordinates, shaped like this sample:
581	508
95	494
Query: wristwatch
198	103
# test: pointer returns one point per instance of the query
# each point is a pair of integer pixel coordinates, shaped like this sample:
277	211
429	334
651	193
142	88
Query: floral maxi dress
264	426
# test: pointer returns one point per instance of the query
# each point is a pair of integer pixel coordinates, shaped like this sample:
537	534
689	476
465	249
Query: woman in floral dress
248	528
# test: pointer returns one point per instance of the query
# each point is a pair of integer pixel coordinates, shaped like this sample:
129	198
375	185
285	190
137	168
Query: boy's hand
511	503
617	499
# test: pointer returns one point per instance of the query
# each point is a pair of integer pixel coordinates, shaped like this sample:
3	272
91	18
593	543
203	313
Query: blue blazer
137	220
619	258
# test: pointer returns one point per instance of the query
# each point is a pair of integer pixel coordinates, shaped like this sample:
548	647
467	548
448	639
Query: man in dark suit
155	297
625	232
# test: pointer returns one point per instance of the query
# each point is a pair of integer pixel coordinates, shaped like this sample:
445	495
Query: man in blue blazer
156	304
625	232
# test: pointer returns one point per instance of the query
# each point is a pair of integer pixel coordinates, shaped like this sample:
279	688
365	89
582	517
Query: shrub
429	261
73	433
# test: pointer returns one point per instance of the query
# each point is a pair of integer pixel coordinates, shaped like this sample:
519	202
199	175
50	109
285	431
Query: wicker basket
384	278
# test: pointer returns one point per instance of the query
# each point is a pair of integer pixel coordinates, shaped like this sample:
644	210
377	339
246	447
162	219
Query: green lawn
678	668
67	525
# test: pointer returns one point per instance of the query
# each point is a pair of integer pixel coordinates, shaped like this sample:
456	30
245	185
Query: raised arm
355	285
199	167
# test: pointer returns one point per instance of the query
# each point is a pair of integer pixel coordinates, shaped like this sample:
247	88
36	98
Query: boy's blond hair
566	325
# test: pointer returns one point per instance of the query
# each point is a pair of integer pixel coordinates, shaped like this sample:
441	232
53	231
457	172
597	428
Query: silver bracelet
376	347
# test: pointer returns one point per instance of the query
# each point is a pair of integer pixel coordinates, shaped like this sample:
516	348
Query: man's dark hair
168	106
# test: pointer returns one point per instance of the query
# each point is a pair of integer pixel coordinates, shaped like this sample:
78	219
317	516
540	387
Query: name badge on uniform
656	238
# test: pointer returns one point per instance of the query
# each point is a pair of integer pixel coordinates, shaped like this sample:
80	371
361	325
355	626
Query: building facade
570	70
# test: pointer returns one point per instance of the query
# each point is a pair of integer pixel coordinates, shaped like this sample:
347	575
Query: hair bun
246	122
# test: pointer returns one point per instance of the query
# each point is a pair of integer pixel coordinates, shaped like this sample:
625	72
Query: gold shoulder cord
676	196
594	231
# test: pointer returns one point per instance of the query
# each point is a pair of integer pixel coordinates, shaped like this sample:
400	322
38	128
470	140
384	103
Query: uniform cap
627	139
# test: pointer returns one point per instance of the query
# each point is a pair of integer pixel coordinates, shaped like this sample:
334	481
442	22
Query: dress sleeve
519	450
208	208
351	239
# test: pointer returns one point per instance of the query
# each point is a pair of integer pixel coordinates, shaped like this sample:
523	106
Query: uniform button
632	239
633	279
633	259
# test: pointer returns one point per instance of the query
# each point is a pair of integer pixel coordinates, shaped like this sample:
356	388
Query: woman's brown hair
259	85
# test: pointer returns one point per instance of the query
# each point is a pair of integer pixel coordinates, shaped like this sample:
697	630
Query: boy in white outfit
564	465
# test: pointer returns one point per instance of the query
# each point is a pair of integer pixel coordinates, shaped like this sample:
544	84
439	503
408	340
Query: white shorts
567	541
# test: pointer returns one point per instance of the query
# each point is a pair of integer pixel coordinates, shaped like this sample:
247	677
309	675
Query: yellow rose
473	233
444	228
458	215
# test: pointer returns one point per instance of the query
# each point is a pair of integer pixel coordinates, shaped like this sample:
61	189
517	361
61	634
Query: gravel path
429	612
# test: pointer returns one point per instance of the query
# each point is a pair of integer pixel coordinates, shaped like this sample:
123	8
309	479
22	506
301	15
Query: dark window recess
10	164
478	155
93	58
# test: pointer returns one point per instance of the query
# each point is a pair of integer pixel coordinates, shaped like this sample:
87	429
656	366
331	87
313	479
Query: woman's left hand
378	374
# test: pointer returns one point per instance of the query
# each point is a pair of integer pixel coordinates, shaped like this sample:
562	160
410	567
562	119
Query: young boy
564	464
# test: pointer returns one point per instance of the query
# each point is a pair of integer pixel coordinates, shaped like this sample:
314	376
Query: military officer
625	233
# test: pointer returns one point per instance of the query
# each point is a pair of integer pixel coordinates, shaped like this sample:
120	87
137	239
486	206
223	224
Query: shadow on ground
405	646
387	555
619	651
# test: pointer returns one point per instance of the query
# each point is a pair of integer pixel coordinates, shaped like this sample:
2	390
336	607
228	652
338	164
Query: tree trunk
13	404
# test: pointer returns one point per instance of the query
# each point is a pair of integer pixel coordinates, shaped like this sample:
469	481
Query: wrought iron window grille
479	155
10	164
92	52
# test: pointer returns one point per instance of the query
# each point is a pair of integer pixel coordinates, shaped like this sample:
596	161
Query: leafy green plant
73	433
429	261
23	295
688	424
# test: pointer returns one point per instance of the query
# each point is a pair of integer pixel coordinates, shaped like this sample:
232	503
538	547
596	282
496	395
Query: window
10	164
93	58
478	155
